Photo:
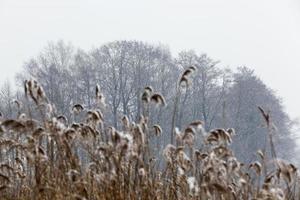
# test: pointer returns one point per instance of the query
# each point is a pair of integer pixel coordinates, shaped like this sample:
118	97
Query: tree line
215	95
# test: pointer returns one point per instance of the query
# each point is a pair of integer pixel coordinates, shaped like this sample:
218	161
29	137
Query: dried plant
52	158
184	82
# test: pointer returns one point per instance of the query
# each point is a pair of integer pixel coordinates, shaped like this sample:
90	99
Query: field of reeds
51	157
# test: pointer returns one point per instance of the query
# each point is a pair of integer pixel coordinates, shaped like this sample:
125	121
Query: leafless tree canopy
129	112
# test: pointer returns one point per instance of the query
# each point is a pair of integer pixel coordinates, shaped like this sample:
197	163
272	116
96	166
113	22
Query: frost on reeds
54	158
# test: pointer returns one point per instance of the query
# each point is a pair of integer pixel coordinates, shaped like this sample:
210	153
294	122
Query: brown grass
52	158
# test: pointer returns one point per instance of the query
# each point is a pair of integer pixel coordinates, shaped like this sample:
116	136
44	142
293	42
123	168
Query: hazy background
263	35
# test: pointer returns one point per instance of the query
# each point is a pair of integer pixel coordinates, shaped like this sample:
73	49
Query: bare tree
123	69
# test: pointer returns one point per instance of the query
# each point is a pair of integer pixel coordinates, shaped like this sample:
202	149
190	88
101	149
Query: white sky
261	34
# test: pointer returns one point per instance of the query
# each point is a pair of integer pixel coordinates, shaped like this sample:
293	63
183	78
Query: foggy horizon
152	100
263	36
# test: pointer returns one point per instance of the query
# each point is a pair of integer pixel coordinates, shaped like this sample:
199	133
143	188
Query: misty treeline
216	95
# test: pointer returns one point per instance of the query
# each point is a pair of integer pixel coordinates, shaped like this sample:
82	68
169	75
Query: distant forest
215	94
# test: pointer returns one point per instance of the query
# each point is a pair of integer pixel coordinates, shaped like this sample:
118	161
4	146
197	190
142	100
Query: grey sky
261	34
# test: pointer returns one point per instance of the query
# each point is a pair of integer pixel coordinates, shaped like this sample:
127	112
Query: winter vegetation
127	120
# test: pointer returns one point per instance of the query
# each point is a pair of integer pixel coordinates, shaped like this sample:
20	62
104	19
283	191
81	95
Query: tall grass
48	157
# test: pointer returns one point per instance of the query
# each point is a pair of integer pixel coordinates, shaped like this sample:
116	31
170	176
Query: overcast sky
261	34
